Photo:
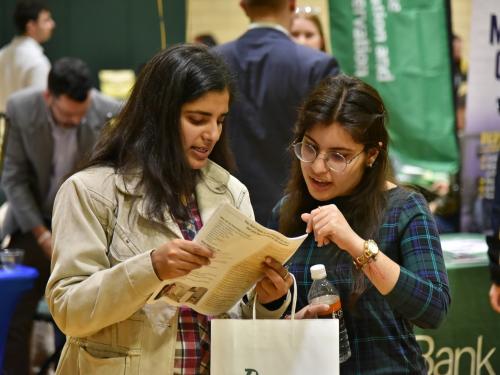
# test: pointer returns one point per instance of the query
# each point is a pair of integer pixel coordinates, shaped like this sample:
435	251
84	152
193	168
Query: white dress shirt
22	64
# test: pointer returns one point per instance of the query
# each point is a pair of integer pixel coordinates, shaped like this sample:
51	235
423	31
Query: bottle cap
318	271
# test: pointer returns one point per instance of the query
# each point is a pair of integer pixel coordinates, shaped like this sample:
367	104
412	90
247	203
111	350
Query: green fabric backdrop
111	34
402	49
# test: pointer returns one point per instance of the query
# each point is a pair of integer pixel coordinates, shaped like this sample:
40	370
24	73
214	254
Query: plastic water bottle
323	292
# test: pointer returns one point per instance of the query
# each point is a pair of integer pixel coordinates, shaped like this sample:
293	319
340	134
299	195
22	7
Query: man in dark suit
50	131
273	75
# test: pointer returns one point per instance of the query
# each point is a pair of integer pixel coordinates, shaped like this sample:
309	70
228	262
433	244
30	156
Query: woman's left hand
275	283
330	225
311	311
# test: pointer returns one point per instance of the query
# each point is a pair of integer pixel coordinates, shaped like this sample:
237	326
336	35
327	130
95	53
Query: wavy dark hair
359	110
146	135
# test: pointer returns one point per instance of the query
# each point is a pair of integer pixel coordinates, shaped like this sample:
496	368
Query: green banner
401	48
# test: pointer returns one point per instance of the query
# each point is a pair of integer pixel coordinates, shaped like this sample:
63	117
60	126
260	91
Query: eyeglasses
336	162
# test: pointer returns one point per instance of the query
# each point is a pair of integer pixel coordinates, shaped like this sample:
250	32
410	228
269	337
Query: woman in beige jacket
125	222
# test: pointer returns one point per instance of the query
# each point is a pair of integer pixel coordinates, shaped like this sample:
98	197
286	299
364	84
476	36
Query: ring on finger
287	277
284	277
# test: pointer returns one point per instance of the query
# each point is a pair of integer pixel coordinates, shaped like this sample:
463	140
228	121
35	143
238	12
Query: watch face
372	247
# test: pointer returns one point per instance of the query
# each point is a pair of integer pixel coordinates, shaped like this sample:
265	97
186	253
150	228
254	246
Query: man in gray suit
50	132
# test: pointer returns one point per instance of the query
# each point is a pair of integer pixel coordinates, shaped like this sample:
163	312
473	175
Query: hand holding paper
240	245
275	284
179	257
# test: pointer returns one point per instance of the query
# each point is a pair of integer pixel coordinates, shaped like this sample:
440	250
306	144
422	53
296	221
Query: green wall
107	34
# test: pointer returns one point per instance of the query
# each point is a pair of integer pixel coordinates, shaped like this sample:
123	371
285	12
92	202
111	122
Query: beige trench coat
102	273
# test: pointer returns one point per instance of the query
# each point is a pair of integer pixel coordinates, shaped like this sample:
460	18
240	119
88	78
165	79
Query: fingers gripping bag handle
294	299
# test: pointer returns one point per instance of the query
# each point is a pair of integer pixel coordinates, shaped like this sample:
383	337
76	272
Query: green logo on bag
251	371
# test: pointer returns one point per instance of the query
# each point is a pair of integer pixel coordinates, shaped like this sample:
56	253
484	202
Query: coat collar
214	179
212	186
265	32
269	25
27	41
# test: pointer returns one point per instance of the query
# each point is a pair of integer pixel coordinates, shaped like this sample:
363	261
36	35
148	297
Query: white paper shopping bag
274	346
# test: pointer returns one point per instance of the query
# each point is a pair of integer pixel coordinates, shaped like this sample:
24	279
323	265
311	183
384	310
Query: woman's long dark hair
359	110
146	135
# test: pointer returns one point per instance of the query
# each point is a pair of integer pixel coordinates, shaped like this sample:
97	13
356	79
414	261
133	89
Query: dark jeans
17	352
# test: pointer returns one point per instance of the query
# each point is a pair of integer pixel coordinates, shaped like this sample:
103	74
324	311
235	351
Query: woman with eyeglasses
377	240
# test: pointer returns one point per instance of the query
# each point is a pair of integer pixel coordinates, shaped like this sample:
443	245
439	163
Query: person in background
459	67
22	62
378	241
494	245
206	39
444	197
274	74
307	29
126	221
444	203
459	71
50	132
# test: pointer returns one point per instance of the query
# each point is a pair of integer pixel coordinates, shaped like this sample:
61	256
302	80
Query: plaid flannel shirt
380	328
192	349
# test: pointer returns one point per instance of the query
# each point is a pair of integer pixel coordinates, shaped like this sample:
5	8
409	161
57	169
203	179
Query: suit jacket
273	76
28	157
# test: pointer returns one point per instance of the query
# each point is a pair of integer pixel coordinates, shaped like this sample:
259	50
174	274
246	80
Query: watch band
367	256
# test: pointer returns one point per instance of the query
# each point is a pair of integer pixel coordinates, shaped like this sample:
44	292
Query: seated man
50	132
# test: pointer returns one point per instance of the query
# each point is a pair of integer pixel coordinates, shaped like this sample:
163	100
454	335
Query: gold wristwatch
370	252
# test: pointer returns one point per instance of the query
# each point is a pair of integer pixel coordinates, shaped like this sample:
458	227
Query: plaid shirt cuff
418	301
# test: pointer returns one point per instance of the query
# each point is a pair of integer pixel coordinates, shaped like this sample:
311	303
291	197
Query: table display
468	342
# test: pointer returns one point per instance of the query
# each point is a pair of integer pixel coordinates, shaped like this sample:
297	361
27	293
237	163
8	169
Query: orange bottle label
333	308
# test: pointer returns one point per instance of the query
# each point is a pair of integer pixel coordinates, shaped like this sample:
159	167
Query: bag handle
294	299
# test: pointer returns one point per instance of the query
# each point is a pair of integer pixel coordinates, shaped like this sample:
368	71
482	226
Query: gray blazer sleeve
16	177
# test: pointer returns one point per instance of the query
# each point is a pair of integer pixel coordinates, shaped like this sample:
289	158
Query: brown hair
314	18
359	110
147	132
